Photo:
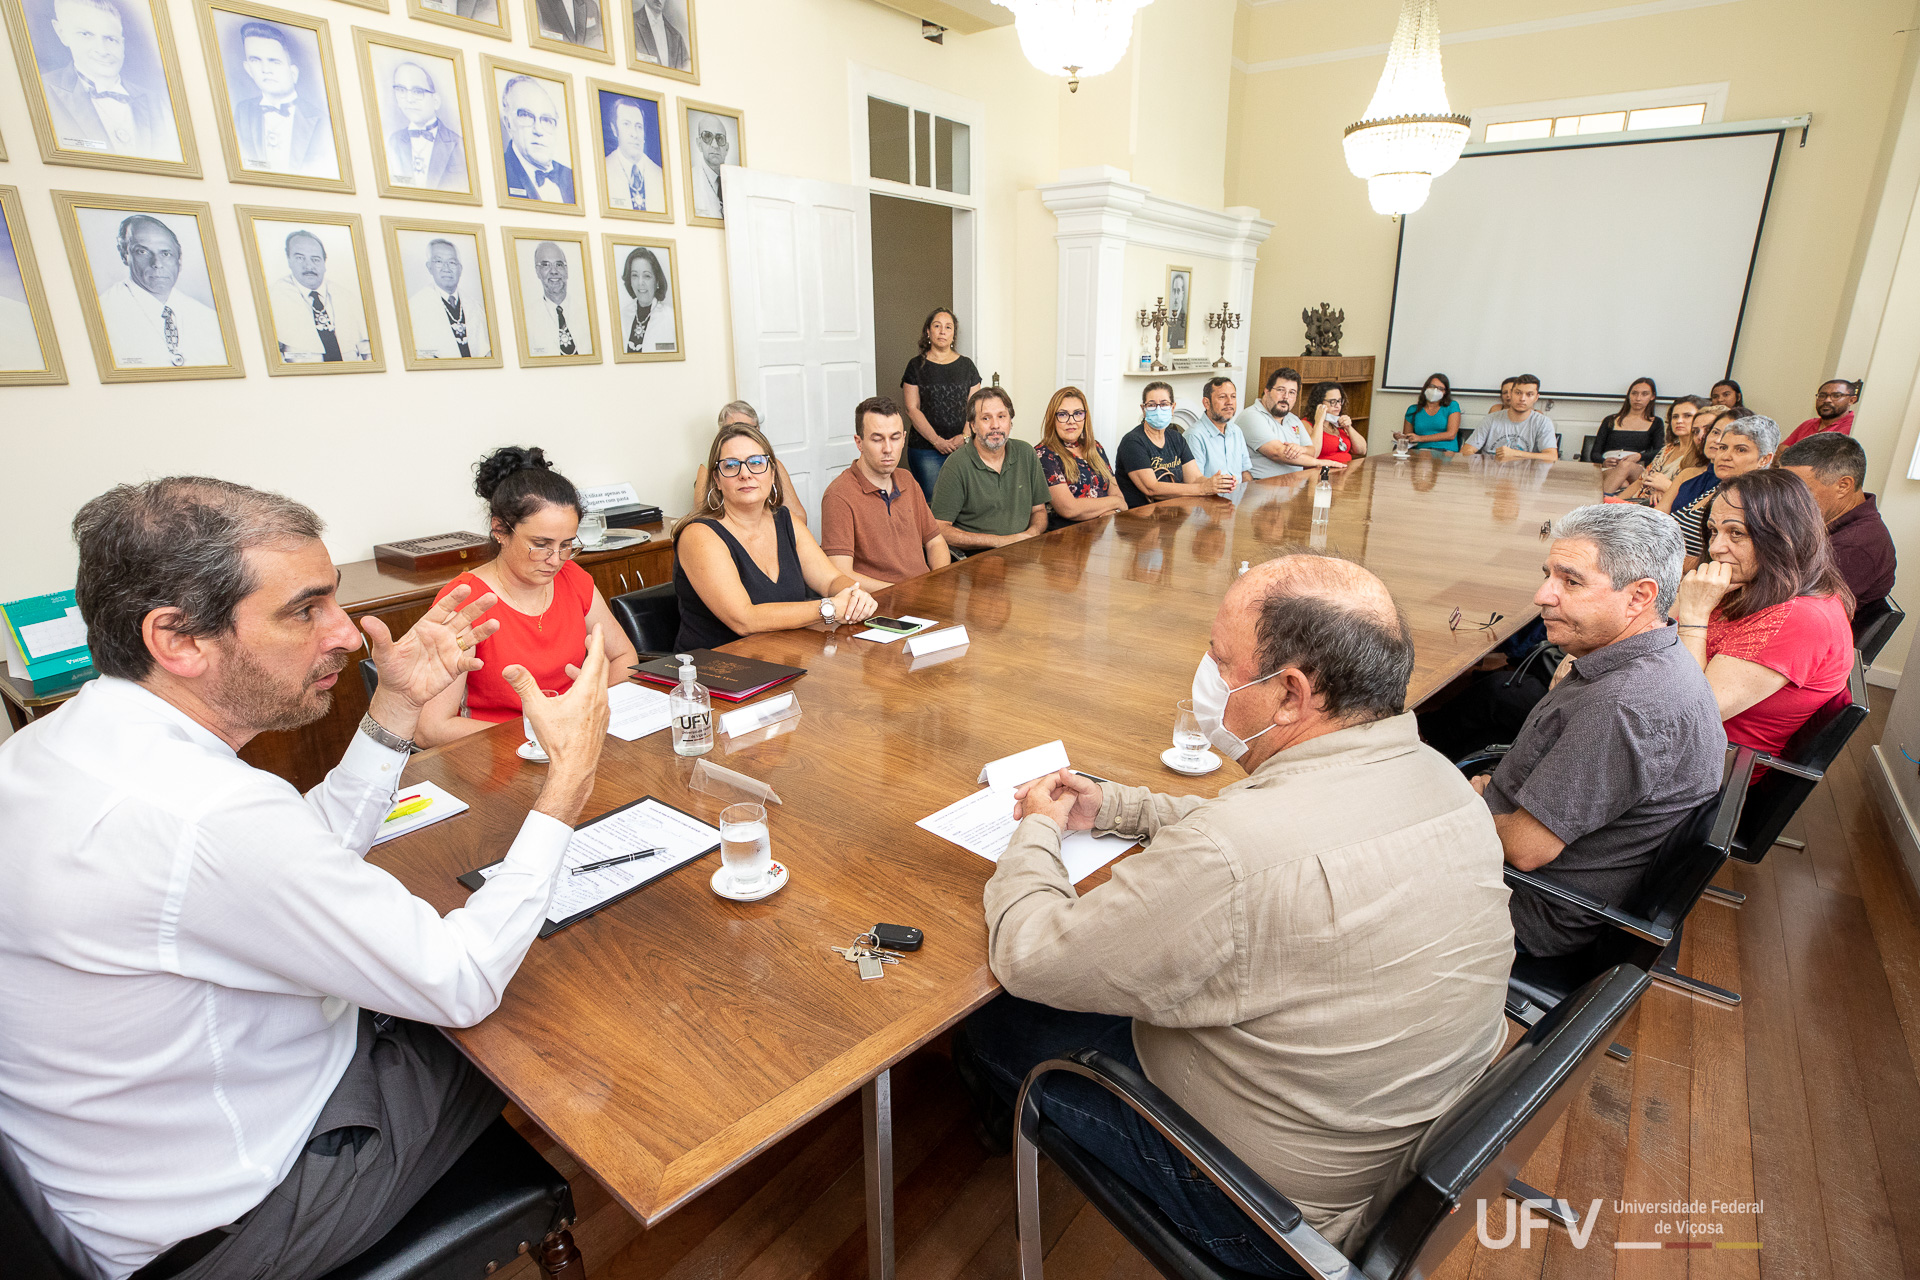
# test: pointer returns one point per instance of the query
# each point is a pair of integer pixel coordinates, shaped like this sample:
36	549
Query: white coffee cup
533	739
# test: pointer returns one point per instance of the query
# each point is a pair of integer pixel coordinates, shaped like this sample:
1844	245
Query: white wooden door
800	274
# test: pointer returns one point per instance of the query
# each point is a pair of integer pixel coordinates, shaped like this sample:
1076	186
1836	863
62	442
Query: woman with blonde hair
741	411
742	563
1080	481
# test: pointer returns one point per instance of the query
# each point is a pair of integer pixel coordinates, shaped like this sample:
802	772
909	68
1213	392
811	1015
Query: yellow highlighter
407	806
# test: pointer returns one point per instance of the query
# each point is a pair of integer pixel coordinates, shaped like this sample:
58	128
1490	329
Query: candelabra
1156	320
1225	321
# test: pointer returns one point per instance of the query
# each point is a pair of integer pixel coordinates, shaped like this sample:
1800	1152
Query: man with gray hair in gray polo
1628	740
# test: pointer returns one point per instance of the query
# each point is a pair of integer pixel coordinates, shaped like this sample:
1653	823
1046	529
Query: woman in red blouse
1332	428
546	603
1767	616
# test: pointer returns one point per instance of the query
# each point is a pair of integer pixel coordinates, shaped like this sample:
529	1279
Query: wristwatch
385	736
826	611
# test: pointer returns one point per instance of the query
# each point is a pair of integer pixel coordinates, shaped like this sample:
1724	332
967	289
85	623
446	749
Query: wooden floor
1804	1099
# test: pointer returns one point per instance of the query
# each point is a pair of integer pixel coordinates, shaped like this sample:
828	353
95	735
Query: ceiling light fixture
1410	136
1074	38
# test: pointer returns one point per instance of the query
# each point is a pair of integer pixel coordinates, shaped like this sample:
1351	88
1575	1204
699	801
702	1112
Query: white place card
935	641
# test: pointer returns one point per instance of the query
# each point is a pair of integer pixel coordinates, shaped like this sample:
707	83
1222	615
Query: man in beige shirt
1313	963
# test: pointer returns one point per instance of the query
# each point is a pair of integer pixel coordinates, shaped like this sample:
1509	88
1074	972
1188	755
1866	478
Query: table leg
876	1123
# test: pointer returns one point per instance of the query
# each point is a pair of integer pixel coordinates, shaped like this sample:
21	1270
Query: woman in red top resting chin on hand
547	604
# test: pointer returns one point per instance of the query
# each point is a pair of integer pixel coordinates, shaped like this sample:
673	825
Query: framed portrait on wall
149	279
312	291
443	292
276	96
417	122
630	128
1179	291
662	40
550	275
715	136
29	352
481	17
102	83
535	161
571	26
643	298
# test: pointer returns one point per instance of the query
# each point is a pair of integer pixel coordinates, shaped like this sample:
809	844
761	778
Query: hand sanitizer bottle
692	712
1322	496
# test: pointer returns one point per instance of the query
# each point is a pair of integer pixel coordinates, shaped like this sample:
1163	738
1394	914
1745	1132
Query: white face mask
1433	395
1210	694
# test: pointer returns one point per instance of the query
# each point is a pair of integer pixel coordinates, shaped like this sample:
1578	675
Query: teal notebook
47	641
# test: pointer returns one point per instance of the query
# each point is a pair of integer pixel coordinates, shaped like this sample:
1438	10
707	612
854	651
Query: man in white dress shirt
314	321
447	324
556	319
634	181
711	149
201	979
151	324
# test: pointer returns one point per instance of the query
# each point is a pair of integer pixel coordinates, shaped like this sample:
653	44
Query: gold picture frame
129	343
1184	316
693	172
637	62
530	335
599	92
539	39
427	339
292	341
383	143
306	150
617	249
66	124
509	173
39	322
378	6
500	26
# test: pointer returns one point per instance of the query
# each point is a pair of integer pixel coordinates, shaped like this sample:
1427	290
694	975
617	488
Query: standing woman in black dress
934	390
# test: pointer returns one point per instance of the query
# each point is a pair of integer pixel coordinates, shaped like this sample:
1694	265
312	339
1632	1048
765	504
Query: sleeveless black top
699	628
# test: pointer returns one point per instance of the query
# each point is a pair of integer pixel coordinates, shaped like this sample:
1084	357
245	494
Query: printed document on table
983	823
634	711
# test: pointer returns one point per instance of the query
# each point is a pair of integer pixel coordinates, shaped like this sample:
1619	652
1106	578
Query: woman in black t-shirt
934	390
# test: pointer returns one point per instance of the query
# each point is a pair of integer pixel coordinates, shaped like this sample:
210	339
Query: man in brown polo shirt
872	526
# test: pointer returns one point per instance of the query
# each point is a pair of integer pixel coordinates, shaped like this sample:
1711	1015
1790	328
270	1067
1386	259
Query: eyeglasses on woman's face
756	463
1070	415
542	549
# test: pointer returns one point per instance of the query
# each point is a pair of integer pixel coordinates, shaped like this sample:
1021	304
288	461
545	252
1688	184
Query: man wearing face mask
1313	963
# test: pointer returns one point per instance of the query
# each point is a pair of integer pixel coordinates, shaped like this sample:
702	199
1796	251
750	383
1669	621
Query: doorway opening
922	259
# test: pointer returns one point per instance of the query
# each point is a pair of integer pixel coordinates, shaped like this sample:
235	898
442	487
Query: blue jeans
925	465
1009	1037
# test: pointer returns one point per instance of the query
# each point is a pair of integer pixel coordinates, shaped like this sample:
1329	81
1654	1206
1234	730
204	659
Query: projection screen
1587	265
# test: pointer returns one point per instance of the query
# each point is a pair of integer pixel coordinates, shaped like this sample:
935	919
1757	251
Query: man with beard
151	324
205	990
314	321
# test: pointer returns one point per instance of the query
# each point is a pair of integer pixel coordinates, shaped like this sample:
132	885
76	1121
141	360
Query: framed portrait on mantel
276	95
312	291
417	122
444	294
1179	290
643	298
715	136
148	274
571	26
102	82
535	162
481	17
662	40
29	352
550	275
630	128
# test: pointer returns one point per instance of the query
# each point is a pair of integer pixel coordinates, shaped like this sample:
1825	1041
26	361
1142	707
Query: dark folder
728	676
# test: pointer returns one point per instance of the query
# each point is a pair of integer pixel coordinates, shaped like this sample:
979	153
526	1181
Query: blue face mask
1160	416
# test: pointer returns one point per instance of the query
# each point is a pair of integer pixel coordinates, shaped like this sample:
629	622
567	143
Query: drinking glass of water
746	851
1187	738
593	529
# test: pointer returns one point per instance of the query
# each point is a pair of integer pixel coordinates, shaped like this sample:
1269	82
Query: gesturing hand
435	651
572	727
1701	590
1068	798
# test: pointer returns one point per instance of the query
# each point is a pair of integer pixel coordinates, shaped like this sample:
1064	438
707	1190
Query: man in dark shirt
1834	467
1628	740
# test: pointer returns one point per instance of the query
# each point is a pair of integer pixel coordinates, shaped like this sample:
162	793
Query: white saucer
776	881
527	751
1172	754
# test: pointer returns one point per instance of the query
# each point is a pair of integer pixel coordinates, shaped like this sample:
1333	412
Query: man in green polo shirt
991	490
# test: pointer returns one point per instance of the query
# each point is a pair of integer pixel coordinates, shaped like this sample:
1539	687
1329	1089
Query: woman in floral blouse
1080	483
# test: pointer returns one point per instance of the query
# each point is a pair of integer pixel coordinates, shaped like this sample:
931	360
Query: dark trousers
998	1045
408	1106
925	465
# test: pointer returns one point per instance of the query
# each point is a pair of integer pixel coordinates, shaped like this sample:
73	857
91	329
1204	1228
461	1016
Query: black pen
635	856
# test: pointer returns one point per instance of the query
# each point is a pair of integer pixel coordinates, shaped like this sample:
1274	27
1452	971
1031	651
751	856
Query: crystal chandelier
1410	136
1074	38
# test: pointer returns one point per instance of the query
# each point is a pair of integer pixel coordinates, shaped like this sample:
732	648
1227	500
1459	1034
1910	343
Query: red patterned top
1806	639
543	645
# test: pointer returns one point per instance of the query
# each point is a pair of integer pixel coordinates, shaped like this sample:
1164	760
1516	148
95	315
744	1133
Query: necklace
540	618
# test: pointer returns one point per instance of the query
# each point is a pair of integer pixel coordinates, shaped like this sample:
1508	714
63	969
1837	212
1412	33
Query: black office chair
500	1199
1873	628
370	677
1586	449
1473	1152
650	617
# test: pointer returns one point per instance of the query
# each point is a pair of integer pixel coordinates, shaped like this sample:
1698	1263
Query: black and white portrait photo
273	72
633	152
569	26
151	269
663	39
1179	288
440	283
102	83
552	297
417	112
535	137
28	351
645	306
483	17
310	289
714	138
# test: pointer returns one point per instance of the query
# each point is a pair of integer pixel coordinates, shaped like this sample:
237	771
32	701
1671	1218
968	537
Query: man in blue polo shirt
1217	442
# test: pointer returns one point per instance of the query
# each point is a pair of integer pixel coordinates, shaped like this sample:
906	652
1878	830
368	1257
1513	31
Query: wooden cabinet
631	568
1353	373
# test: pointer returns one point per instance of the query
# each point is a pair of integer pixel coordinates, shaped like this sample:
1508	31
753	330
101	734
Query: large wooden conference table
666	1040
